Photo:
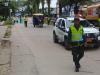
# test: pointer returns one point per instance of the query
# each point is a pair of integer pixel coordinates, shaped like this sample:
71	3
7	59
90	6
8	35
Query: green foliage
70	2
13	6
8	32
1	18
5	10
8	22
43	2
48	3
34	4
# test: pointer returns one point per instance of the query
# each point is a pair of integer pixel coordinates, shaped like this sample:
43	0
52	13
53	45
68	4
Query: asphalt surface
34	53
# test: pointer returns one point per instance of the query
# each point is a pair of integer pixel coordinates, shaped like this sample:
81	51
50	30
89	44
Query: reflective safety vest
77	35
99	19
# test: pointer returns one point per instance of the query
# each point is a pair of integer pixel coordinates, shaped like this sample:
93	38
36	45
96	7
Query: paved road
34	53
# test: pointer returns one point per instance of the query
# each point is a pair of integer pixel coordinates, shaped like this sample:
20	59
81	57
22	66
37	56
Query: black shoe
76	69
79	66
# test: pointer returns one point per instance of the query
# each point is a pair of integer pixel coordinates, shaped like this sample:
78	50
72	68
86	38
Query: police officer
76	39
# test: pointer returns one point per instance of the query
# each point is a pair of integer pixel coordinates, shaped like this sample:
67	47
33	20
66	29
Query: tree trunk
37	8
43	6
48	8
76	9
70	6
60	9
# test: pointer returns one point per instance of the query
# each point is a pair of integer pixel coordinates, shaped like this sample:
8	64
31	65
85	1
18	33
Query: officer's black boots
76	69
79	66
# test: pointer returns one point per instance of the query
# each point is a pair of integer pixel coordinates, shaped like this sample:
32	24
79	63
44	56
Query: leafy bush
1	18
8	33
8	22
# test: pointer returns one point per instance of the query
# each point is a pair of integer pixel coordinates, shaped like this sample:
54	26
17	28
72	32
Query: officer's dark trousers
78	53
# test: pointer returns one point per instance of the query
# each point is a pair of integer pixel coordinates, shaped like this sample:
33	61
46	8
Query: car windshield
84	23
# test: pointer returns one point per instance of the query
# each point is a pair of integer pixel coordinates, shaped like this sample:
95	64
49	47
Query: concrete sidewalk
2	31
5	55
5	58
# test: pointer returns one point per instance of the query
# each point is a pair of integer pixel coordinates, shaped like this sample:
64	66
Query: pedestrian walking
14	19
25	21
76	39
20	19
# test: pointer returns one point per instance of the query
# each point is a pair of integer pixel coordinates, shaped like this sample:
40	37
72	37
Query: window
68	23
59	23
63	24
85	23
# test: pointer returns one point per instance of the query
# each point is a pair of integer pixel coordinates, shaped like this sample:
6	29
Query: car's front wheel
55	39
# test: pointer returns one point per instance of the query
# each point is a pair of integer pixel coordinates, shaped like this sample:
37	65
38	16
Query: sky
53	3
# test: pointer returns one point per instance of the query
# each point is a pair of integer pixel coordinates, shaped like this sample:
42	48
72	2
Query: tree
48	3
43	2
35	5
77	4
13	5
5	7
70	3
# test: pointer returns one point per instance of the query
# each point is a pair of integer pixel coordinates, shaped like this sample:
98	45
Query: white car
60	32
